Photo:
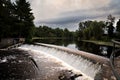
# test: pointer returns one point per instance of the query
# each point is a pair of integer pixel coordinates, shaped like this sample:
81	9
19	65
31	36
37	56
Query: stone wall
5	42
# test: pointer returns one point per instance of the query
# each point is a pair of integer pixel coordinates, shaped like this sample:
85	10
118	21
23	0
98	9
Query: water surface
79	45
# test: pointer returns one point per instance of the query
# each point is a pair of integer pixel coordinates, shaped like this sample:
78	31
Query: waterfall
79	63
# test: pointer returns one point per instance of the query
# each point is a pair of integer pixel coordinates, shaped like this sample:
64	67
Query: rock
68	75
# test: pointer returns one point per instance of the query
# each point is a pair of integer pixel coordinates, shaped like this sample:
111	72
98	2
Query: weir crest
79	63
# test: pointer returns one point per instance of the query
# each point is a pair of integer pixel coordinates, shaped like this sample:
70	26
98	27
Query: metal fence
112	58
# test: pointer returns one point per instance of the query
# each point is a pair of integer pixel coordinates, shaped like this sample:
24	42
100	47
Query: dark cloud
66	22
73	17
70	19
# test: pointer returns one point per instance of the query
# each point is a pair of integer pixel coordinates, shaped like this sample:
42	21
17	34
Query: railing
112	58
12	46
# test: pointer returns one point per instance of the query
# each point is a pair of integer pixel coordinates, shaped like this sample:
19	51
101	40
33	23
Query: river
104	51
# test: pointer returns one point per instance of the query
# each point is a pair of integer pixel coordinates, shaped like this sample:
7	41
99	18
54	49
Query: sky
68	13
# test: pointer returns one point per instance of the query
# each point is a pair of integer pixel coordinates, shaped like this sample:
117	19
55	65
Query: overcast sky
68	13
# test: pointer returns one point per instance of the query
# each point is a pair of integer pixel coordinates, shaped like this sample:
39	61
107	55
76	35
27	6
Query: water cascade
80	63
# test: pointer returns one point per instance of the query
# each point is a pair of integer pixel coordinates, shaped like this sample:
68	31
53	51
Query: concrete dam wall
94	66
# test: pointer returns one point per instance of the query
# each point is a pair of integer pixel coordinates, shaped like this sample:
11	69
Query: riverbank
42	38
102	43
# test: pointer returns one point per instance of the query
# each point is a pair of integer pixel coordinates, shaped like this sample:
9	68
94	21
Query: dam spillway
86	63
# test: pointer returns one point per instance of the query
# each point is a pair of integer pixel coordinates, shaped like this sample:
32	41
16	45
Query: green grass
99	42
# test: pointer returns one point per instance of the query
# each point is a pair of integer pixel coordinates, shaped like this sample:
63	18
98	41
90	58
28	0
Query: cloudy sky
68	13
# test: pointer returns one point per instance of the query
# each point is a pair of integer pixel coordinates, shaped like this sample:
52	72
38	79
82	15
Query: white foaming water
73	61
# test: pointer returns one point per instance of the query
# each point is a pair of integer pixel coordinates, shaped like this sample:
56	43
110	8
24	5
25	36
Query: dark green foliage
16	19
44	31
47	32
118	29
59	32
83	25
109	24
25	19
66	33
118	26
91	30
81	33
6	18
94	30
110	30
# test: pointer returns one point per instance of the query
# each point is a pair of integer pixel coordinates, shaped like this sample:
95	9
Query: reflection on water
93	48
84	46
60	42
72	46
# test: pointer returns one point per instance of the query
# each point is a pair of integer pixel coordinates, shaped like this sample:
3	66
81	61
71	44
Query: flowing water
74	62
104	51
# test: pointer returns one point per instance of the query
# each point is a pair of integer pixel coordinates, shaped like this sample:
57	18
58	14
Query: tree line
16	19
45	31
88	30
99	30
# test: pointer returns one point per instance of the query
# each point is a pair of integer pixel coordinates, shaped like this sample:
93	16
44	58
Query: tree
110	26
90	30
82	26
16	19
66	33
110	30
86	33
25	19
59	32
1	17
118	29
6	18
45	31
96	29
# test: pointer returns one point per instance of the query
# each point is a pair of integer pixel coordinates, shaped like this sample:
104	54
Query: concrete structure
105	73
5	42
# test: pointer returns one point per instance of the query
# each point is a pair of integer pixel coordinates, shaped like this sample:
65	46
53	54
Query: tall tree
83	25
59	32
16	19
25	19
96	29
81	33
90	30
1	17
110	26
6	18
118	29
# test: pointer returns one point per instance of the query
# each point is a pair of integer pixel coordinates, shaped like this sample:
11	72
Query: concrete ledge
92	57
104	74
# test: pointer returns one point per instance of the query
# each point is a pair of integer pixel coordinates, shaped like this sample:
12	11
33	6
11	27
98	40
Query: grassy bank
49	38
103	43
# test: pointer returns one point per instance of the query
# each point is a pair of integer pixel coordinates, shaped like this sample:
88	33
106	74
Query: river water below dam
50	63
24	63
51	67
